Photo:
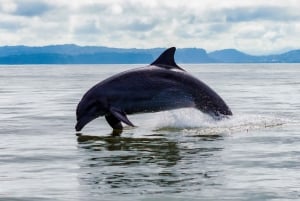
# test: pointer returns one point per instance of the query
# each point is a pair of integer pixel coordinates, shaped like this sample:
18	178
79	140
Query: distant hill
232	56
235	56
192	55
73	54
289	57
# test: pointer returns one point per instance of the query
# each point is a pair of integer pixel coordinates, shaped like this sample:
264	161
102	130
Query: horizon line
137	48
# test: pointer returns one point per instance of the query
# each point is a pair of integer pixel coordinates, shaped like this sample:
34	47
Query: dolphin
160	86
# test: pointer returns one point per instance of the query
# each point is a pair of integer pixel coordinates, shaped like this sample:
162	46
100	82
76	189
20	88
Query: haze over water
178	155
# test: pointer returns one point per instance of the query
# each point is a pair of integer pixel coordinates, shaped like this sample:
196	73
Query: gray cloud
88	27
270	13
32	8
10	26
138	25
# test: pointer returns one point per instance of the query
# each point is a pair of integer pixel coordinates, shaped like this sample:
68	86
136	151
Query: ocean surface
174	155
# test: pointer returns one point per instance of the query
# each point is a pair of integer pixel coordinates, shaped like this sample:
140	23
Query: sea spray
193	121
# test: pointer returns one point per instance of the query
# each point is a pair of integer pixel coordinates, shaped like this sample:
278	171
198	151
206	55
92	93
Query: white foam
192	120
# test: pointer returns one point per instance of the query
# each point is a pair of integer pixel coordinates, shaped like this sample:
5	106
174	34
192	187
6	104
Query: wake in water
194	121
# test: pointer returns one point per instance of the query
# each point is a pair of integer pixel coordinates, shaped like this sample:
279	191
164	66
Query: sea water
178	155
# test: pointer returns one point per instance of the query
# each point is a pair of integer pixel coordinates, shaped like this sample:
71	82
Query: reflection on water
116	164
155	150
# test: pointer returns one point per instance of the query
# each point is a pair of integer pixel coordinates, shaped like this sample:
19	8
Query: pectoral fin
120	116
113	121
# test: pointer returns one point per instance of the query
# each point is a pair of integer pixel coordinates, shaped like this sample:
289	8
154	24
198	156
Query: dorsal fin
166	59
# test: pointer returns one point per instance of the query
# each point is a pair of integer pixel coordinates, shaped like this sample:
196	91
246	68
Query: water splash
194	121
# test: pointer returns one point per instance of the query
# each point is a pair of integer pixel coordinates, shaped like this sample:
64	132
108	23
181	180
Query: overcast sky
253	26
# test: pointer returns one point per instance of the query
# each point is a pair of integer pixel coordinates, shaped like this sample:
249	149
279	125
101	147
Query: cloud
248	25
271	13
140	25
32	8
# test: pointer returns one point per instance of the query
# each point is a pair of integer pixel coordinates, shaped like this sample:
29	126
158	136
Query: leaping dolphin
160	86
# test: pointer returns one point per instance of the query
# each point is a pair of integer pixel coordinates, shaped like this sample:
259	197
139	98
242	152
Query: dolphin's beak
79	126
82	122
